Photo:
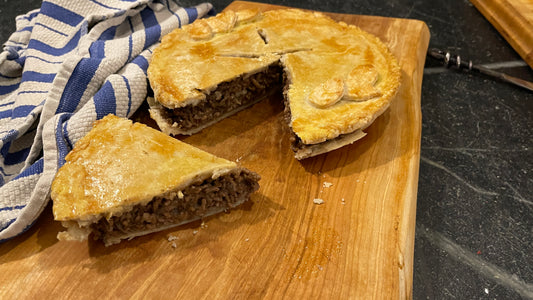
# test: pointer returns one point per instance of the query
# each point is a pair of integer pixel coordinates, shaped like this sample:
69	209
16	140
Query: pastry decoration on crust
336	78
126	179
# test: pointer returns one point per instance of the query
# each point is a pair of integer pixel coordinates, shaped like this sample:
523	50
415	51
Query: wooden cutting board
357	245
514	21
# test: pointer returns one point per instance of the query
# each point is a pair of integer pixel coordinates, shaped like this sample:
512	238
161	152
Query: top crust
119	164
314	51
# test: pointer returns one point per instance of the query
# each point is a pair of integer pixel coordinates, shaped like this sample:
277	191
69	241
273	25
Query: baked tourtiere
125	179
336	78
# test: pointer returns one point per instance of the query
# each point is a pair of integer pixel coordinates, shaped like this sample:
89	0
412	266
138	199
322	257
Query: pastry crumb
246	240
195	232
174	245
318	201
203	225
172	238
327	184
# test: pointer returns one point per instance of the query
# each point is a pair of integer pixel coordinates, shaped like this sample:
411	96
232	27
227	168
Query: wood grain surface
514	21
358	244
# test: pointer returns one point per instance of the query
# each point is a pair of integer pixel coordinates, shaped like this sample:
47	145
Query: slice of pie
336	78
126	179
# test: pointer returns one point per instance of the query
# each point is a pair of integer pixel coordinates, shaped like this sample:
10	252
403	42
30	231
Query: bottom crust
305	151
168	126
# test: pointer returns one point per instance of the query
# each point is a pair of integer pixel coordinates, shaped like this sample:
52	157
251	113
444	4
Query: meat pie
338	78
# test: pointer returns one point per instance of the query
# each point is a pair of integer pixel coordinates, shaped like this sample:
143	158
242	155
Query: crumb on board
203	225
327	184
195	232
174	245
318	201
172	238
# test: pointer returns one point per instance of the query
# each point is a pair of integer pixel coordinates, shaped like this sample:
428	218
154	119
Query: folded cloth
68	64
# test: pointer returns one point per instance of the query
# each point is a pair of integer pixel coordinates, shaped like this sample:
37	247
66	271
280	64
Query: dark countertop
474	227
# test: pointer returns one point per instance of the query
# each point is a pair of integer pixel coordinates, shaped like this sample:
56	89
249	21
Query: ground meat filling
296	142
193	202
228	97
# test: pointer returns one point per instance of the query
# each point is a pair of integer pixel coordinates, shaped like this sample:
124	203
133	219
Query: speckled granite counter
474	232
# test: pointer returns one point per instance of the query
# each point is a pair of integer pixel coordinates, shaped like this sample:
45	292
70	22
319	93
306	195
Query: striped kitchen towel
68	64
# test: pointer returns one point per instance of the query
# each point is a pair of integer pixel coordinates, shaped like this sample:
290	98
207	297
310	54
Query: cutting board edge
407	237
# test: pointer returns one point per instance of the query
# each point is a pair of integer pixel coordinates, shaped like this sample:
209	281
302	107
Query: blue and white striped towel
68	64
